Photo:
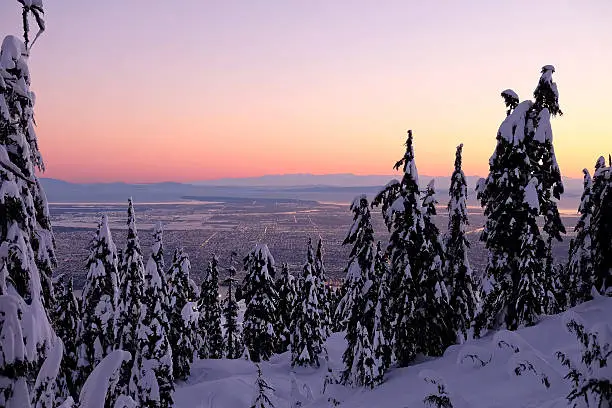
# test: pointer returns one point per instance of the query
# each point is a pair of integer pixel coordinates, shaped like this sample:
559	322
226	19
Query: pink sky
144	91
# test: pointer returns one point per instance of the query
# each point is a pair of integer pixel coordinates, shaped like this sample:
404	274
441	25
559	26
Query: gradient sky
143	91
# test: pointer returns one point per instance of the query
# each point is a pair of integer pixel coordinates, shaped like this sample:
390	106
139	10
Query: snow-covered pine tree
287	294
523	183
232	337
539	140
580	270
25	286
433	313
97	335
361	259
382	331
210	337
261	301
66	320
152	369
157	253
463	289
306	333
262	392
324	298
131	297
402	214
181	335
416	255
601	227
358	305
186	344
362	370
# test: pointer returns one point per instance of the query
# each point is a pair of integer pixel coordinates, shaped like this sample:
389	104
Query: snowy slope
229	383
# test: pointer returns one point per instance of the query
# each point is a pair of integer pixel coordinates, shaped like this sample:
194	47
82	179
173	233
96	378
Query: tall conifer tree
182	334
261	299
66	320
130	298
602	227
464	297
306	332
210	337
99	302
233	338
524	183
287	294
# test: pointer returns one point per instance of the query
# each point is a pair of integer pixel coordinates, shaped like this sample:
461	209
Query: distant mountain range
340	188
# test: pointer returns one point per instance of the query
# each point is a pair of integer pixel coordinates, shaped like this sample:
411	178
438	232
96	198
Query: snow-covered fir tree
157	254
433	313
31	351
232	337
152	377
261	299
66	320
601	227
97	335
287	294
263	392
416	260
210	337
358	305
580	270
462	285
362	370
402	214
182	333
382	331
324	298
524	183
306	331
361	258
130	295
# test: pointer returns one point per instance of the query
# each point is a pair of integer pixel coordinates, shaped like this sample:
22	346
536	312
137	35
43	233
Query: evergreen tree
464	299
524	183
306	333
287	294
402	215
361	299
96	337
25	237
382	329
152	377
186	344
181	334
262	392
325	302
131	297
233	339
210	337
66	320
261	301
157	254
602	227
433	311
416	256
580	264
361	236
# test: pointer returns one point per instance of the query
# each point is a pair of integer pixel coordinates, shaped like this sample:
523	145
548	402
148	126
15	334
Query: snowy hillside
230	383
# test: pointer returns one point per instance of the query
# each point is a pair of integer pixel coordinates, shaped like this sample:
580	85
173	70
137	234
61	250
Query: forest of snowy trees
139	324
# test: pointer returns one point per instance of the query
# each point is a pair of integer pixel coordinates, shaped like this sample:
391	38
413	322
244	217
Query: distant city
219	219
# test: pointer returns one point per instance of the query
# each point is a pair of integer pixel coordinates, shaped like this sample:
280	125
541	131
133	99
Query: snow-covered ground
479	373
